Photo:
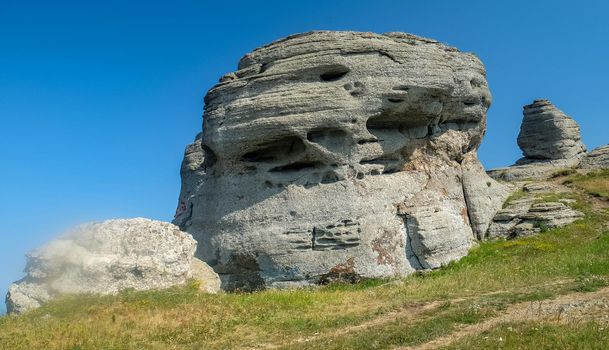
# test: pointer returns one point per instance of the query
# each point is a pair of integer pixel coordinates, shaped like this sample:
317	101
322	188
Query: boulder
598	158
547	133
108	257
549	139
339	151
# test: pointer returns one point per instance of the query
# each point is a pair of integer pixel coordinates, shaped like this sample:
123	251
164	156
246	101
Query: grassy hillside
504	294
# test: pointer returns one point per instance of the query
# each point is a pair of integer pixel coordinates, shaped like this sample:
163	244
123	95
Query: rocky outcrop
598	158
339	151
531	214
107	257
549	139
547	133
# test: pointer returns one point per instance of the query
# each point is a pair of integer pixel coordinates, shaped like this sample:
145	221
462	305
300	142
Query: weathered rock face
547	133
530	214
598	158
344	151
549	140
107	257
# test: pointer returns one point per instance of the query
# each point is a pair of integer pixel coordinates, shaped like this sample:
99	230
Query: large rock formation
107	257
339	150
549	139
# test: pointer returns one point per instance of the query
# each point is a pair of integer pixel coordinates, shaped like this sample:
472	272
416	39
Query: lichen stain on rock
384	248
465	215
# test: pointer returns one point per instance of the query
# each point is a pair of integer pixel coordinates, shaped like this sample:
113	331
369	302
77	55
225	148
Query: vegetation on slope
375	314
595	183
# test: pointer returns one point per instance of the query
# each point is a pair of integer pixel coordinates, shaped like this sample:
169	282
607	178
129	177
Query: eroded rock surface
532	213
547	133
549	139
339	151
598	158
107	257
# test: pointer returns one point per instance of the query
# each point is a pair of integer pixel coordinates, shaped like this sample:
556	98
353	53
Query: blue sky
99	98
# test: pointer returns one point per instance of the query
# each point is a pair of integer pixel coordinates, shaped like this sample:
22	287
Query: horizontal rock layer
530	214
598	158
547	133
550	141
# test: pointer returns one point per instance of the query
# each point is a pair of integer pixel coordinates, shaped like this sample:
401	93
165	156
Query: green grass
595	183
540	336
403	331
514	197
563	172
493	276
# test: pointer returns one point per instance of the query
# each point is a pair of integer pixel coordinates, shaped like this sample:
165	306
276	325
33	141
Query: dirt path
409	312
565	309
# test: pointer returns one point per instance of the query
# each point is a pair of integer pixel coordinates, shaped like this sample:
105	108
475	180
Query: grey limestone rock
550	140
540	170
530	215
339	151
107	257
598	158
547	133
483	195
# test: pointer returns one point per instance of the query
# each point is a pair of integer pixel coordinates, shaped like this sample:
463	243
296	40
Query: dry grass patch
595	183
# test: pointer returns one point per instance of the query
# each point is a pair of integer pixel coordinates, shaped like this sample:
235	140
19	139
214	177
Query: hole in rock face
390	166
485	102
296	166
321	134
329	177
333	139
285	149
395	100
397	121
210	157
334	73
365	141
355	89
263	68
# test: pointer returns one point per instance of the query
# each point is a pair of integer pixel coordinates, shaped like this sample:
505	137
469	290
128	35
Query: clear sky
99	98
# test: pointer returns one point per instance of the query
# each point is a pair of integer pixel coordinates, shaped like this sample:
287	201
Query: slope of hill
546	291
